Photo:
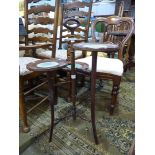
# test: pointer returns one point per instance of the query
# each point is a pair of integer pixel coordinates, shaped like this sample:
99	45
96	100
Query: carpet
115	133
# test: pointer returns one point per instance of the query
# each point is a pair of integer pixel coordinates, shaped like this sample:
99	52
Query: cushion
60	53
105	65
23	61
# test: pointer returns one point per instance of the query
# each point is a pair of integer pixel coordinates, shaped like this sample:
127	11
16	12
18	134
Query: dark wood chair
79	33
41	34
101	67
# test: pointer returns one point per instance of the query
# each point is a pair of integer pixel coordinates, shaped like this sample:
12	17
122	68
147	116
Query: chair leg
22	108
73	83
55	92
52	122
116	83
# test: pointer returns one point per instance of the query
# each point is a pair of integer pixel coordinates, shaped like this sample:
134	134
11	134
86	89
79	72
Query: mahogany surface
33	66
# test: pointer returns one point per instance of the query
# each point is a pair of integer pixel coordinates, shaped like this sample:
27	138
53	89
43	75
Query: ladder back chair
41	34
81	11
101	67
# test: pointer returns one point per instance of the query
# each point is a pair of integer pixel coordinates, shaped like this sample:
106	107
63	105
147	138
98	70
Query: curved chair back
116	30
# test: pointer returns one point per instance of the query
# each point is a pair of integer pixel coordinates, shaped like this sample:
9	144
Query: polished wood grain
40	30
41	8
41	20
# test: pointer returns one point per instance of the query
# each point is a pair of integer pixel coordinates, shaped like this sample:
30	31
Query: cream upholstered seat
105	65
60	54
23	61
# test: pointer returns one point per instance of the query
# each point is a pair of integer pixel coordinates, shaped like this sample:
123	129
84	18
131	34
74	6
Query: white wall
103	8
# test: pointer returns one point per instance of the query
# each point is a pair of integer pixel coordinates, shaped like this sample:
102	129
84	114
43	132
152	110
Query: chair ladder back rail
40	39
78	36
41	30
41	20
41	8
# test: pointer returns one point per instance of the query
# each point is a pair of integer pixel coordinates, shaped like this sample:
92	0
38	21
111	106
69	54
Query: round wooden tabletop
46	65
96	47
78	66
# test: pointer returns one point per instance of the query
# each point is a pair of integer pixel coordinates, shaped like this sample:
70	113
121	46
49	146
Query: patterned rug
115	133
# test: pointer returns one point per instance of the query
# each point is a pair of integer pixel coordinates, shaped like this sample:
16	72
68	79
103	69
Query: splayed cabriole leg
51	76
73	83
115	91
69	98
22	108
93	92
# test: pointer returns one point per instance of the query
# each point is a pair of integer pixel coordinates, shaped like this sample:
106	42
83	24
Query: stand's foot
26	129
